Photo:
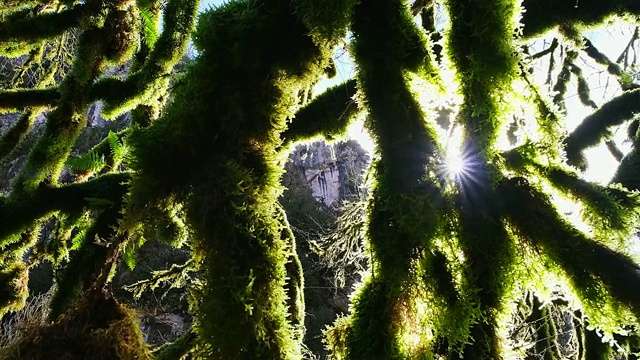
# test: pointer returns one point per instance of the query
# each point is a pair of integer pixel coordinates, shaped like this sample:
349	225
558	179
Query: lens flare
455	165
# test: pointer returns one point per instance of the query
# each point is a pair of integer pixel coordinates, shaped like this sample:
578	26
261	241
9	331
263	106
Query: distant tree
454	249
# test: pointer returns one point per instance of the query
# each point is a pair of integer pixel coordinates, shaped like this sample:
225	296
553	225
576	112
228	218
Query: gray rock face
332	171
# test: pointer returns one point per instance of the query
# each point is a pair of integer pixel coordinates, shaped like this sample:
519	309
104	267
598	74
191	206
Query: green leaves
98	158
89	162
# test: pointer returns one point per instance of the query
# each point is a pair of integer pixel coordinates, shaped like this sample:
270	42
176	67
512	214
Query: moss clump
14	279
95	328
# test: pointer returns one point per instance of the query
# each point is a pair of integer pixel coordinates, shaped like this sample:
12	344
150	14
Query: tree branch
327	115
18	213
44	26
14	100
121	96
542	15
595	126
586	262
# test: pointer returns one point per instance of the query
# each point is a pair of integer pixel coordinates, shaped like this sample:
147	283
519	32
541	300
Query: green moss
537	19
328	115
94	328
12	138
13	287
152	78
294	286
120	26
595	271
35	28
596	125
489	260
608	209
86	263
628	173
220	159
177	349
68	119
13	100
480	46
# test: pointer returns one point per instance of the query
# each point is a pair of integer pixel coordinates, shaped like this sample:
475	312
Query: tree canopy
460	255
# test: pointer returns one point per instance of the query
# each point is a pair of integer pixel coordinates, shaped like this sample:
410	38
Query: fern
149	29
130	251
88	162
118	149
78	239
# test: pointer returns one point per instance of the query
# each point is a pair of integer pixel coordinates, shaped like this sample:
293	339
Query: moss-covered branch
43	26
152	78
177	348
595	126
12	138
589	264
328	115
14	100
543	15
403	207
220	159
628	172
607	208
16	214
612	68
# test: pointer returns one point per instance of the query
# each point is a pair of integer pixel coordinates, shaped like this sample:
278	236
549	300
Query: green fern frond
149	29
118	149
78	239
88	162
130	252
115	145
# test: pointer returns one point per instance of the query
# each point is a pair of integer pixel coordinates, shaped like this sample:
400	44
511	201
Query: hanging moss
596	126
294	286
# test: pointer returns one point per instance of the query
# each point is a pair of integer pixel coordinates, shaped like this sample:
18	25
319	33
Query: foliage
462	262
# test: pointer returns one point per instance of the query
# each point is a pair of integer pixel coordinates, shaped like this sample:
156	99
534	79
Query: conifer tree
459	257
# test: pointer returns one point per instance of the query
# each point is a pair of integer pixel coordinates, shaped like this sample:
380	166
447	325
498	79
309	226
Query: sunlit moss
597	274
14	291
91	329
221	158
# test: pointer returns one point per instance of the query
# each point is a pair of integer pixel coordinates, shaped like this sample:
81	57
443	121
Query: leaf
149	30
88	162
